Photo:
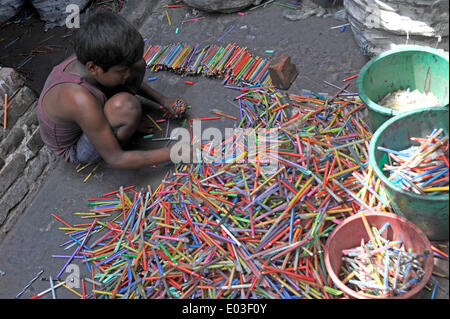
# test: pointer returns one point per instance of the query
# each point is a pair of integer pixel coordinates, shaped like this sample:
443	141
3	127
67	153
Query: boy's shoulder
74	93
71	97
61	78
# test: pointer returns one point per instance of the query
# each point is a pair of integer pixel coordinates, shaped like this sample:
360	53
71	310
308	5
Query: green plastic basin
415	67
428	212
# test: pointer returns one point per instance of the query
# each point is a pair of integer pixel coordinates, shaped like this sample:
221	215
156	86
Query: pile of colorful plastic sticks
232	63
233	229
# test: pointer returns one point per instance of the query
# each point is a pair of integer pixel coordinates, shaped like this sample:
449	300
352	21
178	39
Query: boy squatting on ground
88	108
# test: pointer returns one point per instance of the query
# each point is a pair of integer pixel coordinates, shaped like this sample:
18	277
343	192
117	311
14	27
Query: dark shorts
84	152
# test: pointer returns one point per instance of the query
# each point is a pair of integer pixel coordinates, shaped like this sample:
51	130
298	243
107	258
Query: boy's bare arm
88	114
137	85
168	103
146	91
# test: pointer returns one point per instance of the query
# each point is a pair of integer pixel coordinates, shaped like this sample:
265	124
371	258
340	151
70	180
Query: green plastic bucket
414	67
428	212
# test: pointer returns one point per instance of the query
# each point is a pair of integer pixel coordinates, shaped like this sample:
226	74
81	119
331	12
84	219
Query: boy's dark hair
107	39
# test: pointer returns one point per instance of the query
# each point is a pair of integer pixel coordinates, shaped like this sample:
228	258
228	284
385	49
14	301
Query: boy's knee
125	104
126	101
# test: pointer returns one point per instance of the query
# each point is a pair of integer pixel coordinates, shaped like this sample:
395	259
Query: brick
35	142
282	71
12	141
19	104
2	112
11	171
13	197
10	82
36	167
30	117
10	221
15	214
36	173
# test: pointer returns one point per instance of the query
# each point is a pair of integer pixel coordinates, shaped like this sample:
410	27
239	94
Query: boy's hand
174	108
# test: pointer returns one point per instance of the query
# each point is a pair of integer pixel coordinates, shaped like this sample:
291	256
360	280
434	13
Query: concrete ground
320	53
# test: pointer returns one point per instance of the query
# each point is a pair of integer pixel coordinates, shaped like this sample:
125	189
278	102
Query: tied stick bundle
231	63
232	229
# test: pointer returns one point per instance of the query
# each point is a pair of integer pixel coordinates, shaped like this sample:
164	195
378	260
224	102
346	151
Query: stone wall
24	161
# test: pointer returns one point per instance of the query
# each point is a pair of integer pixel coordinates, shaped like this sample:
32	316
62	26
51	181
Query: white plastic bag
225	6
53	12
381	25
9	8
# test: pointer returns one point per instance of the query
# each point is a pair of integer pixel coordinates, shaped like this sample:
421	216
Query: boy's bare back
110	121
